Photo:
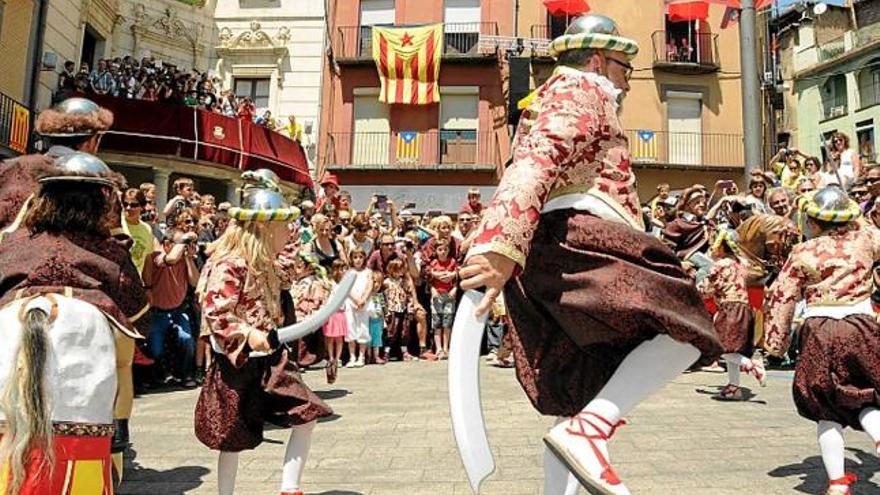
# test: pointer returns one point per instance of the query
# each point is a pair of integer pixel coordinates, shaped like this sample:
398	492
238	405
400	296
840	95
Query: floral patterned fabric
309	294
726	282
831	270
571	141
396	294
235	305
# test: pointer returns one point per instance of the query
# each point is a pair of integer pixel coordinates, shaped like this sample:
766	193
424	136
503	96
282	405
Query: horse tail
25	402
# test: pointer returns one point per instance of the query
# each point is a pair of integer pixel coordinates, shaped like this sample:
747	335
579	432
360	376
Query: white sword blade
464	391
318	318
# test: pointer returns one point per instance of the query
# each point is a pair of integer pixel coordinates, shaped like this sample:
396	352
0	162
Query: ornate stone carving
166	25
255	37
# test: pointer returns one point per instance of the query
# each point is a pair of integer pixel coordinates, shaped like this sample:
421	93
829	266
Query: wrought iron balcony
694	54
402	150
834	106
462	40
662	149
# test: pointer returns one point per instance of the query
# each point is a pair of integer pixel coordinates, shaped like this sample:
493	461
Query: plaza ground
392	435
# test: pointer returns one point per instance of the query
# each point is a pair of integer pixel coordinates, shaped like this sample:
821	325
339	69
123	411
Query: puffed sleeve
570	109
780	305
222	294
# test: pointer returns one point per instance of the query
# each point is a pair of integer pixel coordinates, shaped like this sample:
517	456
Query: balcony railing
696	53
834	107
832	49
461	40
14	125
400	150
686	150
199	136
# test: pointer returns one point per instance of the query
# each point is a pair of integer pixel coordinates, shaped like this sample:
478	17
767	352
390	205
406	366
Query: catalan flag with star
408	60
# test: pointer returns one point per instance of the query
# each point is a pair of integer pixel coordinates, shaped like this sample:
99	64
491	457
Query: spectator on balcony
294	129
246	110
845	159
265	120
226	103
671	51
184	189
473	204
686	51
101	81
66	81
330	186
133	201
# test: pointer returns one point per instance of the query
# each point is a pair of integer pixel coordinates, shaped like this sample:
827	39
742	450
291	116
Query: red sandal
608	482
840	486
756	369
730	393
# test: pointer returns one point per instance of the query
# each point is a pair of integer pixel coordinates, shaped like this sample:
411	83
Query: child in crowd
376	308
311	289
398	297
336	327
356	309
500	345
443	272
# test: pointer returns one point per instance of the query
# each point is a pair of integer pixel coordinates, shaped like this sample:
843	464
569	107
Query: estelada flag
408	60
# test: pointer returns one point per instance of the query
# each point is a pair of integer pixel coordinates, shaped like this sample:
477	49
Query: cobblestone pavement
392	435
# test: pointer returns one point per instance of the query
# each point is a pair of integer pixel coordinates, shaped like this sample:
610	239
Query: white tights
294	462
644	371
734	361
831	443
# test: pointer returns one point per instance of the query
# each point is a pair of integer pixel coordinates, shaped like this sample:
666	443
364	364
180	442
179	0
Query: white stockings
295	456
227	468
734	362
294	462
831	446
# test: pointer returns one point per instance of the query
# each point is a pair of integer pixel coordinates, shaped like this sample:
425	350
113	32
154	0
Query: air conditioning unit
837	111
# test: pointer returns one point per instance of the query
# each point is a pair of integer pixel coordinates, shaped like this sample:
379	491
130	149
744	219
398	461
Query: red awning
567	7
687	10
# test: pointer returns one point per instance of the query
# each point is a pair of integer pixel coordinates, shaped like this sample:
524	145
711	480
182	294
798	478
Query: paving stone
392	435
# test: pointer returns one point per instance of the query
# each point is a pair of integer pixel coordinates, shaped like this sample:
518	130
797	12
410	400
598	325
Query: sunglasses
189	222
387	244
628	68
132	205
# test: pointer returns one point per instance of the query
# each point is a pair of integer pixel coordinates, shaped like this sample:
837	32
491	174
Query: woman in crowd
845	159
324	246
253	378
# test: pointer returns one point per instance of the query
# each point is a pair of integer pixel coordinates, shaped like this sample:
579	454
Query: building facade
835	77
274	52
18	20
421	156
270	51
684	111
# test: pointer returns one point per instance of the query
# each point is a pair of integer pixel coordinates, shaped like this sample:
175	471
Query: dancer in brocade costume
837	380
603	314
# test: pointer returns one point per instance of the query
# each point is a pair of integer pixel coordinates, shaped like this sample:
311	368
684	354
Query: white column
231	193
161	177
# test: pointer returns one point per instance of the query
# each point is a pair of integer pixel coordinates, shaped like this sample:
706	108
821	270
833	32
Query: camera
337	229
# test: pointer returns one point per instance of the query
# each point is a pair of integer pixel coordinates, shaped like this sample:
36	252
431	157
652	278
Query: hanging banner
408	60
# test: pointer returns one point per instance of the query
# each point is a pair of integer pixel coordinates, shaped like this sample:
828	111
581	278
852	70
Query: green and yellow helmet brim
276	215
596	41
849	214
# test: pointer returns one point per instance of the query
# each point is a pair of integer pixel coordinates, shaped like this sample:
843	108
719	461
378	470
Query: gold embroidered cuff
502	248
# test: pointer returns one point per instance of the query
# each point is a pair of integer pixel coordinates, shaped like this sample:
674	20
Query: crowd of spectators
153	80
410	261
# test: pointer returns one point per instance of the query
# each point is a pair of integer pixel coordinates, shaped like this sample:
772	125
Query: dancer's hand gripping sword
464	391
318	318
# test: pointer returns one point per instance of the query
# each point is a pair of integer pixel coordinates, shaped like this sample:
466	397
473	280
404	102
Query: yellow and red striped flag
18	138
408	60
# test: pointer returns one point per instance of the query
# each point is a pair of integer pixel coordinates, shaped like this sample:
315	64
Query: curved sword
464	391
318	318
